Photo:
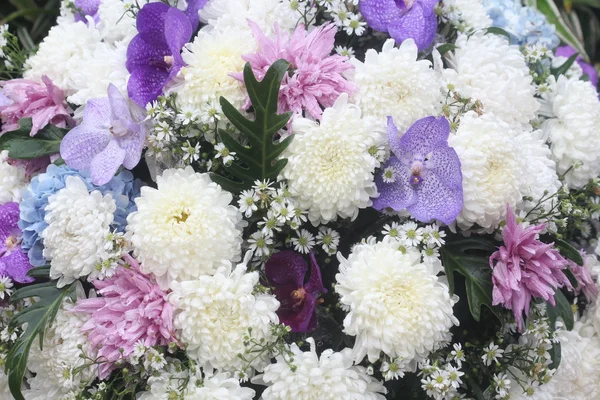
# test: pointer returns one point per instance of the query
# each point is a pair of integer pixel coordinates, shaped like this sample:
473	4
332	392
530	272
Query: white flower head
329	169
186	228
403	310
12	180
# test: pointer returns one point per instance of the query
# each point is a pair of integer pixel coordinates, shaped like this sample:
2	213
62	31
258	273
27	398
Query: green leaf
590	3
446	47
470	258
39	272
552	13
38	317
21	145
562	309
569	251
564	66
260	159
498	31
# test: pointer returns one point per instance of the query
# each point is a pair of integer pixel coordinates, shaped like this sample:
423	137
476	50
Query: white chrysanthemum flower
210	59
12	180
56	51
78	230
329	168
328	377
492	169
466	14
59	370
115	23
213	314
574	131
4	389
210	387
224	15
489	69
186	228
95	69
402	310
394	83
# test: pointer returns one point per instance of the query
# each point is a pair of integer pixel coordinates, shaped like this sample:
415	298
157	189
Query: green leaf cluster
22	146
38	317
260	159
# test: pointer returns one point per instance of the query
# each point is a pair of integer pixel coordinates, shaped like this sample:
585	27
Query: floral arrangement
300	199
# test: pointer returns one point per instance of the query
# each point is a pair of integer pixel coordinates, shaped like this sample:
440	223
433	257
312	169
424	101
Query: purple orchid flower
112	134
423	176
87	8
403	19
286	271
588	69
13	262
154	54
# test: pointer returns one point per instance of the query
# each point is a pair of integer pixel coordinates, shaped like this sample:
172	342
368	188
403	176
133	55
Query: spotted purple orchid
423	175
403	19
286	272
112	134
14	263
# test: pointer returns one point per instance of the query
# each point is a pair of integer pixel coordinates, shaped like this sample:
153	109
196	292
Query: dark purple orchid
403	19
112	134
286	271
423	176
154	54
588	69
13	262
87	8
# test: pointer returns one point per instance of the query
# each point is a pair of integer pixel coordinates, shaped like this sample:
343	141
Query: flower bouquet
300	199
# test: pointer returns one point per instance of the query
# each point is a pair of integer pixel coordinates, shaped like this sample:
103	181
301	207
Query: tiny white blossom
224	153
458	354
5	286
411	234
329	239
502	385
491	354
389	175
355	25
247	202
260	244
344	51
304	242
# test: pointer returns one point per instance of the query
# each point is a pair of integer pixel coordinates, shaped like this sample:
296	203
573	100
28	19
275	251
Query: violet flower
112	134
14	263
132	309
286	271
402	19
525	268
85	8
154	54
43	102
588	69
423	175
585	282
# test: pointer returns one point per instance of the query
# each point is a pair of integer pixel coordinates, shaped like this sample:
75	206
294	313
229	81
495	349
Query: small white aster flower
354	25
5	286
344	51
389	175
270	224
502	385
491	354
223	152
247	202
411	234
391	370
329	239
430	255
304	242
454	375
260	243
458	354
283	212
392	231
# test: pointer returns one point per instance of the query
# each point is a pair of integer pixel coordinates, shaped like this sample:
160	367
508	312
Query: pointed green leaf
562	309
21	145
569	251
498	31
564	67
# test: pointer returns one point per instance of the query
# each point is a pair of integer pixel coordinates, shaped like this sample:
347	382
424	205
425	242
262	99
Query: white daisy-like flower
59	370
489	69
403	310
78	230
186	228
574	131
466	14
213	314
492	169
328	377
55	52
304	242
12	180
5	286
208	387
260	243
247	202
329	168
210	59
394	83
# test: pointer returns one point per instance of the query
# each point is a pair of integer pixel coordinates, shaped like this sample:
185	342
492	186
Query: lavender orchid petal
9	216
380	13
425	135
119	105
106	164
397	195
180	31
445	164
97	112
419	23
13	262
286	267
133	145
16	265
393	136
85	8
192	12
150	23
82	144
140	53
435	200
146	84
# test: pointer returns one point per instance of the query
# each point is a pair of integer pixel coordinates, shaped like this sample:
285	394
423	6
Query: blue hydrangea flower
123	188
526	25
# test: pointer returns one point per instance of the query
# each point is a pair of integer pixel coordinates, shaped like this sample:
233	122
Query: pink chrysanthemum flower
132	309
524	268
315	78
585	282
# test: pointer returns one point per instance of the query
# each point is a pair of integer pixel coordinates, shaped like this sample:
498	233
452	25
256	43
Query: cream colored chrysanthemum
328	377
210	59
466	15
213	314
184	229
492	168
394	83
489	69
574	131
116	24
78	230
397	305
12	180
330	169
59	370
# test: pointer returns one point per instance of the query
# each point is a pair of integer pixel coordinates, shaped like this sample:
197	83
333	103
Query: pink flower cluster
132	309
315	78
43	103
525	268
